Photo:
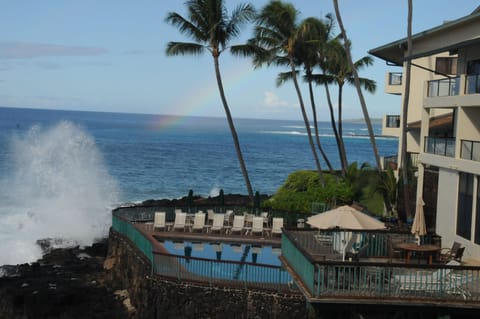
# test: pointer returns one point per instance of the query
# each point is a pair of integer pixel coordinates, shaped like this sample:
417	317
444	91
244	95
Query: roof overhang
449	36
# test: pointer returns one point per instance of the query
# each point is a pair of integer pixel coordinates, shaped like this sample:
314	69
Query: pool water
265	254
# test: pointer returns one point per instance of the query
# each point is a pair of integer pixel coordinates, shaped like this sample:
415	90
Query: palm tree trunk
406	97
334	128
307	123
232	130
340	126
315	123
359	90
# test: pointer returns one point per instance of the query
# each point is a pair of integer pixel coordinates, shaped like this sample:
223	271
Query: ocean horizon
63	168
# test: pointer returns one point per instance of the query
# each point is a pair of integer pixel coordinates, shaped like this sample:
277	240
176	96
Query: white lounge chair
159	221
199	222
179	223
238	224
210	215
217	223
257	225
277	224
228	217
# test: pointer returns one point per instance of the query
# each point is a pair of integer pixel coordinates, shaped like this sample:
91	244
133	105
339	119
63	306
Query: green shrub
302	188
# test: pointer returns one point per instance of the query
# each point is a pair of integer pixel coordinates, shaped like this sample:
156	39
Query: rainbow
204	94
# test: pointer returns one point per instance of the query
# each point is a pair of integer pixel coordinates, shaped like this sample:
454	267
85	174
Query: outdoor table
425	250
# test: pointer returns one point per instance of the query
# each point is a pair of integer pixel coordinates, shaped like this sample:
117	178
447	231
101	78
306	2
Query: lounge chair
159	221
179	221
266	222
238	224
217	223
210	214
277	224
228	217
199	222
257	225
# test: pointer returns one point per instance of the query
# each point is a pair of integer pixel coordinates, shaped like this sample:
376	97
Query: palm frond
185	27
184	48
283	77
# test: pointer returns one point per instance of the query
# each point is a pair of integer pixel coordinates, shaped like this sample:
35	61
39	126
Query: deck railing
376	275
222	272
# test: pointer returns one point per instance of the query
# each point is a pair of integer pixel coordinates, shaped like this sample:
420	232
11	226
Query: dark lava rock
65	283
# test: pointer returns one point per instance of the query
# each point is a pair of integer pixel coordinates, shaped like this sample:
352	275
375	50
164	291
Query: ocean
61	172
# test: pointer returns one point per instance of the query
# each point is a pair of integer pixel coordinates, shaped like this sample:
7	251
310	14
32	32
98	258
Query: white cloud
30	50
270	99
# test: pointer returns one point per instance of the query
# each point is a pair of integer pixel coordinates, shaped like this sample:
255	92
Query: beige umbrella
418	227
345	217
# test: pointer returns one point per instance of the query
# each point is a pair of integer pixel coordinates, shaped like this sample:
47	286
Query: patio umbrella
418	227
345	217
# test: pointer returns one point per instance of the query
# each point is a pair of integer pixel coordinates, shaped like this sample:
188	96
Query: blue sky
109	55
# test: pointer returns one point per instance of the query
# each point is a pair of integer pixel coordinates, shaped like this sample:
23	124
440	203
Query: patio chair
217	223
179	221
257	225
199	222
266	221
159	221
447	254
277	224
238	224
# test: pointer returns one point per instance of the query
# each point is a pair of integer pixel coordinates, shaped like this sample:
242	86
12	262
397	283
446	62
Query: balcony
444	87
394	83
444	146
470	150
473	84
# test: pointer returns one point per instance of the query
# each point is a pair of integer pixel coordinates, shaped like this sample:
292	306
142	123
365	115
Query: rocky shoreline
66	283
73	282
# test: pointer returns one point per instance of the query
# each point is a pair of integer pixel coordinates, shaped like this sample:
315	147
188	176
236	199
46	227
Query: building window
395	78
464	209
446	65
393	121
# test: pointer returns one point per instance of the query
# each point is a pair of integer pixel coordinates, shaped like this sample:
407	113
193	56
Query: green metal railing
222	272
215	272
328	278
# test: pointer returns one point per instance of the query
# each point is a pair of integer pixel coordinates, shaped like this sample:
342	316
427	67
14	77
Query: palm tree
314	34
406	97
341	73
211	28
357	85
277	36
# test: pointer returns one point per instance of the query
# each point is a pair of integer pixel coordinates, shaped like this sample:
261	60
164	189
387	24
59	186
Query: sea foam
58	187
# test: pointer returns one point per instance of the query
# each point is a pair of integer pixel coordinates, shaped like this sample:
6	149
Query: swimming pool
250	253
214	261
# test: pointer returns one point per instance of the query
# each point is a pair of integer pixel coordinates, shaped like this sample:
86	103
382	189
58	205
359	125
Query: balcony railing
444	87
395	78
393	121
444	146
473	84
470	150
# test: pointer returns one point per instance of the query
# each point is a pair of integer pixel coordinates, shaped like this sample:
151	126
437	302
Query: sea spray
58	187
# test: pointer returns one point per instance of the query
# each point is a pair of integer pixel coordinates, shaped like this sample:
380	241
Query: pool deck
157	235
